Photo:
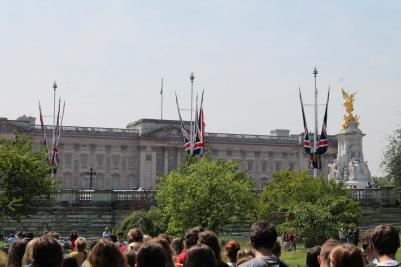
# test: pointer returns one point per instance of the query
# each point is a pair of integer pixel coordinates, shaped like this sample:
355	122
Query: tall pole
316	126
191	138
54	103
161	99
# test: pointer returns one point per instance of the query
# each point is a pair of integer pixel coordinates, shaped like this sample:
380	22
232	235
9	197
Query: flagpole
316	126
192	77
54	103
161	100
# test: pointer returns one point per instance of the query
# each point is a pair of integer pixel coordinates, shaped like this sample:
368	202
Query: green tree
24	175
206	193
392	159
314	207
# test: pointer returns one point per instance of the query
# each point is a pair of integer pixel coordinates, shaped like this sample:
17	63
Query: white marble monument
350	166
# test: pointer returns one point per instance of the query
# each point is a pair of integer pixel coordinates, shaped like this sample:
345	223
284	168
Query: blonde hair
80	243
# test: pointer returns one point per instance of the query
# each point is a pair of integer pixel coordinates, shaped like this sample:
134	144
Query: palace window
67	160
84	161
99	161
115	161
264	165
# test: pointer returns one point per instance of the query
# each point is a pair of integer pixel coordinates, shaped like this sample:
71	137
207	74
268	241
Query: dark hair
131	257
210	239
167	250
69	262
120	233
232	247
16	252
113	238
47	252
151	254
74	235
277	249
346	255
93	244
177	245
326	248
385	239
191	236
262	234
312	257
166	237
135	235
200	256
105	253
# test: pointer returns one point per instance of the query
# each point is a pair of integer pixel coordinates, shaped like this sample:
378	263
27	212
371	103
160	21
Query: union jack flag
323	141
199	145
307	142
185	133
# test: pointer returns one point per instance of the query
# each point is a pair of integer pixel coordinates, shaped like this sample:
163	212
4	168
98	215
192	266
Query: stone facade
135	156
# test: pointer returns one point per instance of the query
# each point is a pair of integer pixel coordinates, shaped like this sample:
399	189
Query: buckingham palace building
133	157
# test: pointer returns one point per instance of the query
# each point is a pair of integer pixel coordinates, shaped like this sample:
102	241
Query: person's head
210	239
47	252
200	256
93	244
135	235
346	255
244	255
277	250
177	245
53	234
74	235
231	249
16	253
166	237
80	243
312	255
385	240
131	257
69	262
113	238
28	236
191	236
27	258
120	236
367	246
262	234
151	254
167	250
105	253
325	250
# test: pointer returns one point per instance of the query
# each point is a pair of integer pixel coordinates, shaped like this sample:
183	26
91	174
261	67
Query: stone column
152	180
142	166
165	160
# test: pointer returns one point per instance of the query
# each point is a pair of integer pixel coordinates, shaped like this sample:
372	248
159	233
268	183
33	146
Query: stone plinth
350	166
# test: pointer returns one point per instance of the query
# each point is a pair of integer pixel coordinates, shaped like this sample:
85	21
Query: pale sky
249	56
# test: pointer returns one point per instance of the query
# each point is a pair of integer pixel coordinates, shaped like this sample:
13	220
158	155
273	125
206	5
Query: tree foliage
206	193
24	175
314	208
148	221
392	159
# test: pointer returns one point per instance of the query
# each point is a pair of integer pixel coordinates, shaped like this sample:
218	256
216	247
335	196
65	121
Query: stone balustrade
385	196
94	197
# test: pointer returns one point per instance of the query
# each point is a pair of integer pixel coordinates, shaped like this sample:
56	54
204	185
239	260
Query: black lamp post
91	173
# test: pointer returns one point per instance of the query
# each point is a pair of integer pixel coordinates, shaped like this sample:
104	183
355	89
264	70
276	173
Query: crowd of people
198	248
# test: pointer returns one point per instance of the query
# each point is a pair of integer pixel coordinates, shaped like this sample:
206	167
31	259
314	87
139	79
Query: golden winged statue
349	99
